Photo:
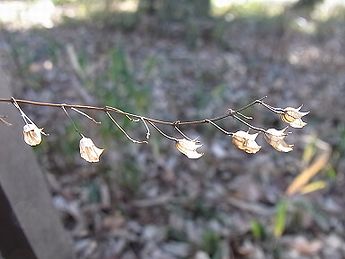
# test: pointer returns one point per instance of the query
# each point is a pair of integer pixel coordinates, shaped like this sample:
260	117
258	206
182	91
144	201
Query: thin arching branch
241	139
147	128
236	114
182	134
128	114
162	133
86	115
73	123
124	132
220	128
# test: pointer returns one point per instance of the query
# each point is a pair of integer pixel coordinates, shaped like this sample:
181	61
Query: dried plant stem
220	128
248	124
86	115
271	108
187	146
182	134
251	104
162	133
124	132
236	114
73	123
147	128
130	115
2	119
244	116
26	119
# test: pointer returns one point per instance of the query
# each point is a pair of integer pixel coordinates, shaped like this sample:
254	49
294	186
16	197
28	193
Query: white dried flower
32	134
246	142
294	117
276	139
189	148
89	151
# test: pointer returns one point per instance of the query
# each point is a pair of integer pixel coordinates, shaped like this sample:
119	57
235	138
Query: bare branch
73	123
271	108
147	128
179	131
248	124
220	128
234	113
2	119
131	119
124	132
86	115
162	133
132	116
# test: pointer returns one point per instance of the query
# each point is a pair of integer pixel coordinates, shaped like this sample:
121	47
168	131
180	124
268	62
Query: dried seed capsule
89	151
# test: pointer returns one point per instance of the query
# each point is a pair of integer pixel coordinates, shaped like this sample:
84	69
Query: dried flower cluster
243	140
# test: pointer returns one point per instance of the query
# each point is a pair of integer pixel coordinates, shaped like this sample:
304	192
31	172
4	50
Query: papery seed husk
278	143
89	151
287	118
32	134
188	148
246	142
298	124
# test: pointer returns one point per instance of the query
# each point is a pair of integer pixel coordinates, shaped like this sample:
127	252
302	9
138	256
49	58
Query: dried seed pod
246	142
89	151
293	117
189	148
32	134
276	139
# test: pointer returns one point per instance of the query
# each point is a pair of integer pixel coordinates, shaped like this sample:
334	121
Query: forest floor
150	201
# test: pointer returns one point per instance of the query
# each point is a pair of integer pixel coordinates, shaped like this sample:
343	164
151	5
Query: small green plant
280	218
211	244
258	230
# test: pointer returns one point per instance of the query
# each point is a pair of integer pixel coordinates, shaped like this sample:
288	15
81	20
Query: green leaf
257	229
280	219
210	243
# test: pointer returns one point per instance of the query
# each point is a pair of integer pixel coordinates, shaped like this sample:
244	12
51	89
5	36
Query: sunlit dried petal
293	117
276	139
32	134
245	141
189	148
89	151
298	124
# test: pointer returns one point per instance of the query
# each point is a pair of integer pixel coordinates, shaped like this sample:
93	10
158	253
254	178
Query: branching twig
162	133
124	132
244	116
70	118
236	114
248	124
86	115
188	146
2	119
271	108
180	131
220	128
147	128
128	114
26	119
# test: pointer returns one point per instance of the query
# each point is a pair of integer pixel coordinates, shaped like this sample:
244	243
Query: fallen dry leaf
306	247
320	162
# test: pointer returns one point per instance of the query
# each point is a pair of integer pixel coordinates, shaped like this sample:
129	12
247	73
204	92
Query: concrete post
26	189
